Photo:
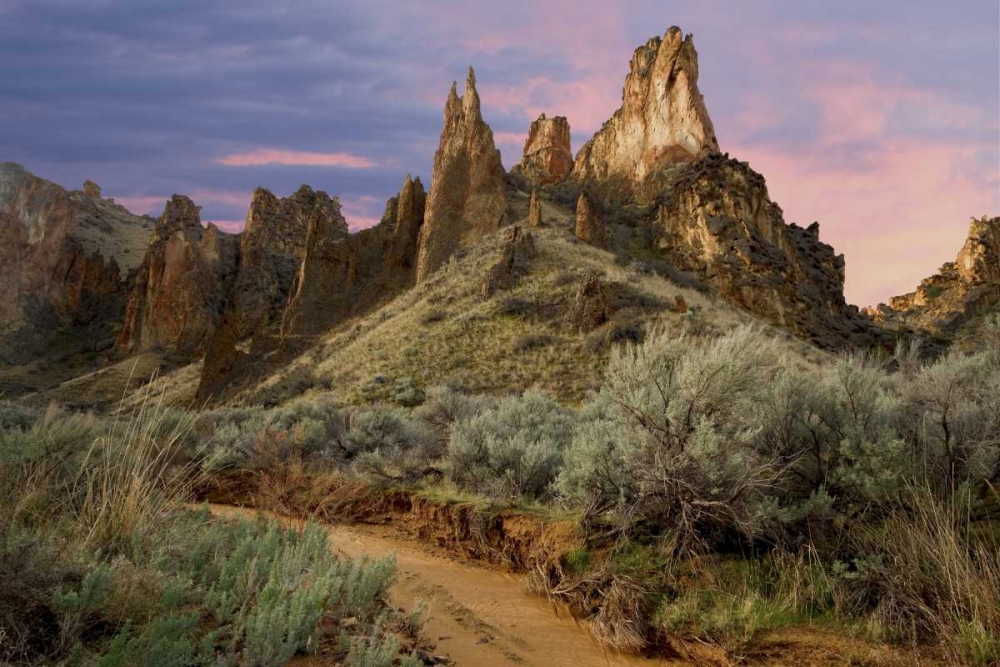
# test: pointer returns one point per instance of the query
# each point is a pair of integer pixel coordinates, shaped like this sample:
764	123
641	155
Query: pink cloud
266	156
361	211
896	201
231	226
154	204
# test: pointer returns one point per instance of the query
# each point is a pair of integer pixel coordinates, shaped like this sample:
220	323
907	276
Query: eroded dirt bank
478	617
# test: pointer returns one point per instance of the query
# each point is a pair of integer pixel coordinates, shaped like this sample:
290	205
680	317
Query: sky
881	120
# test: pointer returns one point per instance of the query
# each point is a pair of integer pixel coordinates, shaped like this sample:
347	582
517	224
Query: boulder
590	226
547	158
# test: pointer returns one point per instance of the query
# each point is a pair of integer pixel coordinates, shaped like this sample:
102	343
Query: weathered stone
963	290
515	256
64	258
590	226
91	189
547	158
405	215
718	221
181	286
662	122
592	305
468	196
535	211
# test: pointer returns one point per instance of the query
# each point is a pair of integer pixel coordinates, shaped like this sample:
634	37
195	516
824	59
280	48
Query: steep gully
477	617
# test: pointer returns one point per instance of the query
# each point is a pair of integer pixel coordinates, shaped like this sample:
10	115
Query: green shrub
512	449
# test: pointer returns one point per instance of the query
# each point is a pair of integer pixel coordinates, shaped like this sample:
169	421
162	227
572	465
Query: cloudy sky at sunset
879	119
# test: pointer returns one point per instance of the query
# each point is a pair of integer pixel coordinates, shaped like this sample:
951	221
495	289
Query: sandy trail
477	617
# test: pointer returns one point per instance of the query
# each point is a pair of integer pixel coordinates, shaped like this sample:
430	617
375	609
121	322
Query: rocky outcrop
515	255
590	227
535	210
662	122
272	246
547	158
718	222
960	292
592	306
182	285
468	196
64	257
404	213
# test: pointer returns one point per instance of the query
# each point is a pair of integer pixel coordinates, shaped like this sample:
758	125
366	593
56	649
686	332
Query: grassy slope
445	332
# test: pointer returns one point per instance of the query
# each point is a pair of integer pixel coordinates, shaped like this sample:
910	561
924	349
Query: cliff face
718	221
339	275
963	290
662	122
181	287
468	195
547	158
63	259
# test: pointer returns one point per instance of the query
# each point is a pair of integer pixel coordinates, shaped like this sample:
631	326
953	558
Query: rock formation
468	196
547	158
535	210
592	306
960	292
718	221
272	246
64	257
404	213
590	227
183	282
662	122
517	251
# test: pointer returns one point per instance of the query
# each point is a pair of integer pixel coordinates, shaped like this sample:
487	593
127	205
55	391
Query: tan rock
662	122
719	222
91	189
535	211
515	256
181	286
405	215
468	196
590	226
592	304
961	292
547	158
64	258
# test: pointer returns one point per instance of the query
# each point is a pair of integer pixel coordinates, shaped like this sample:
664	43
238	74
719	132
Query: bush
511	449
670	439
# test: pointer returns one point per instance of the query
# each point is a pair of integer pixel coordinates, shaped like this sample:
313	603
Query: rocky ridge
960	292
65	257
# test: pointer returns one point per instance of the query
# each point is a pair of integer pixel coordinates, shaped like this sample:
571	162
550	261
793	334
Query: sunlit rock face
468	197
547	158
181	286
961	291
718	222
662	122
64	260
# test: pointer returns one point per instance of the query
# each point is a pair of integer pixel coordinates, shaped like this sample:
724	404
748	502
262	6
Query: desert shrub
952	411
407	394
15	416
671	439
443	407
530	342
388	444
511	449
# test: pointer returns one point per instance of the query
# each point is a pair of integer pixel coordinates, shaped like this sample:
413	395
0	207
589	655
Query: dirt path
478	617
